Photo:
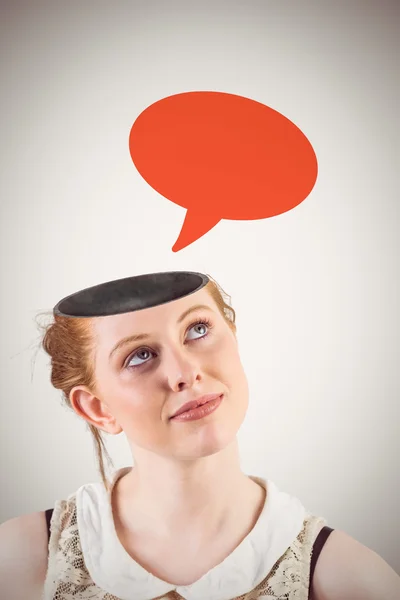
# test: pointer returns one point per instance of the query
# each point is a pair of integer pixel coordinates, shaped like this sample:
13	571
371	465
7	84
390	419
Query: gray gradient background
316	289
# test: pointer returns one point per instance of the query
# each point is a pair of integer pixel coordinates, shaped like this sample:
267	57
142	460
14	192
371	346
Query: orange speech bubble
221	156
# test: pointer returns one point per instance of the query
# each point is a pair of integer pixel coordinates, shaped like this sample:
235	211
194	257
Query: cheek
225	356
126	397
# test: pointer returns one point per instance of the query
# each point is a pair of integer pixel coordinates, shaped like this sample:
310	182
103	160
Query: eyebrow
143	336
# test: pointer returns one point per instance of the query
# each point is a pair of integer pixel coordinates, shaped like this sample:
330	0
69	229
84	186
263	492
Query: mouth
195	404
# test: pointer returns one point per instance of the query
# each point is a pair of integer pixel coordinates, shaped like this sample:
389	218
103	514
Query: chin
207	440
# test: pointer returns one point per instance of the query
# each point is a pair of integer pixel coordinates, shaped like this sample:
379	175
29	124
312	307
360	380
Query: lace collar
116	572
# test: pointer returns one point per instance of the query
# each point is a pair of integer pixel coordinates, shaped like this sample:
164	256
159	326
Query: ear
93	410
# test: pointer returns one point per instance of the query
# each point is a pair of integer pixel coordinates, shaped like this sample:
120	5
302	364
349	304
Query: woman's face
151	362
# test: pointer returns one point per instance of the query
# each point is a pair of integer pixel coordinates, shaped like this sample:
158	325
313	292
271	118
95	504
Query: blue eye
143	355
200	329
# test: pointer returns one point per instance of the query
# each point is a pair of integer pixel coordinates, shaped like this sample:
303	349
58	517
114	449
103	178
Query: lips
195	403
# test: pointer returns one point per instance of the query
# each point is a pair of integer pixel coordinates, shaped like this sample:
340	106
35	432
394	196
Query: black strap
48	513
317	547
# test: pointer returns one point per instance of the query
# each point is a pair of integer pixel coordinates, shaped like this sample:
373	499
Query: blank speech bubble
221	156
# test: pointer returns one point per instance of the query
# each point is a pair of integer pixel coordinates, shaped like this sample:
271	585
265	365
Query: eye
200	330
139	357
196	331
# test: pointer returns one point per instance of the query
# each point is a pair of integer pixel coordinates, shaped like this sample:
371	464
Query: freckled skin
181	364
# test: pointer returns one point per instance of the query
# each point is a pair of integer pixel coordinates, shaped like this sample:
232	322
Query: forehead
149	320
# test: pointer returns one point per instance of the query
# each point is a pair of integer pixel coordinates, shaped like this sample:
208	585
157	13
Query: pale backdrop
316	290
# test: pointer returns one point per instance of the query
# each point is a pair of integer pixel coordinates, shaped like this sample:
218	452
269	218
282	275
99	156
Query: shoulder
23	556
347	570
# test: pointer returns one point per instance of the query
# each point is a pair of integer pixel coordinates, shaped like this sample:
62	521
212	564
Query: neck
171	498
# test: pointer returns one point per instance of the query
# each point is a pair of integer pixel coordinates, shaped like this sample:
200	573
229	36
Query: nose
182	370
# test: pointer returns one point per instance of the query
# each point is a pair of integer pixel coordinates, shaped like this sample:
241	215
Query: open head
135	370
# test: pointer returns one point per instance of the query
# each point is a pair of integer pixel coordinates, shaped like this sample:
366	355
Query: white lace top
87	560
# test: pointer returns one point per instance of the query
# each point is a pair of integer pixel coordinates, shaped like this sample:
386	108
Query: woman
156	356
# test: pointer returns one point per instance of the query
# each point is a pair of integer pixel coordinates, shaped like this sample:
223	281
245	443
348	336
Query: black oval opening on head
130	294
